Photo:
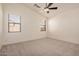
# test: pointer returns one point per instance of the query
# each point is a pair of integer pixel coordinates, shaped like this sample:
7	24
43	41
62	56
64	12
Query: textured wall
30	24
65	26
1	22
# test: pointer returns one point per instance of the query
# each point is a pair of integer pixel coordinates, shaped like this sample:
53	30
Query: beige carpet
41	47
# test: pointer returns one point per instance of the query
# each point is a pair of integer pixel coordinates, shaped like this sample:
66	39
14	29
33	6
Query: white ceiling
62	7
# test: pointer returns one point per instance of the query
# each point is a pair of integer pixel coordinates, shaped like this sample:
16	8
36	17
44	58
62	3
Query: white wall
1	25
65	26
30	24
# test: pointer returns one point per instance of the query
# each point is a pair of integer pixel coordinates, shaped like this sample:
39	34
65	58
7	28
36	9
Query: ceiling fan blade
46	5
49	5
37	5
53	8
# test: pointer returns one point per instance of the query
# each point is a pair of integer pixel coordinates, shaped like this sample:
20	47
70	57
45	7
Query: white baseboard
24	41
64	40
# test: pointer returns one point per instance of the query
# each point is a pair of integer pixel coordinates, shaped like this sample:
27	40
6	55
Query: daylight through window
14	23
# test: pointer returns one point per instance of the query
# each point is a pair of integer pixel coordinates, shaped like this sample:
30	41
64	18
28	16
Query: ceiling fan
47	7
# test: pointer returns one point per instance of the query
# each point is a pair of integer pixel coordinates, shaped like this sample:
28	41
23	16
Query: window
43	25
14	23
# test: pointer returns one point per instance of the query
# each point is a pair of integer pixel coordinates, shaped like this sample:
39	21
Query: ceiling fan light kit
46	10
47	7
